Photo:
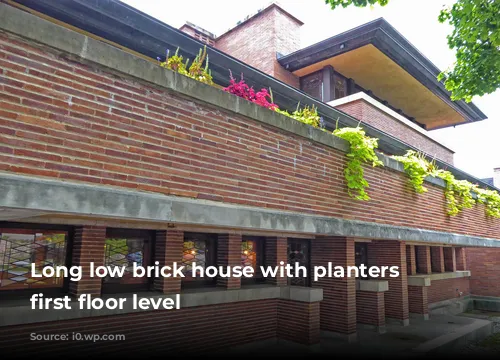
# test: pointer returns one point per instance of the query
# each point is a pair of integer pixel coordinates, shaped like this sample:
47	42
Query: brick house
107	157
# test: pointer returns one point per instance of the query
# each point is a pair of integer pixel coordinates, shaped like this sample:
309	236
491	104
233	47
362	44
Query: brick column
450	261
338	308
275	252
370	304
169	247
299	321
229	254
437	259
88	246
424	259
411	261
461	258
392	253
418	301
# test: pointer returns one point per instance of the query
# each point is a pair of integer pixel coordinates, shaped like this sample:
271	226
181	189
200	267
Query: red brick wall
446	289
257	41
369	114
68	121
182	331
298	322
370	308
484	265
338	308
418	299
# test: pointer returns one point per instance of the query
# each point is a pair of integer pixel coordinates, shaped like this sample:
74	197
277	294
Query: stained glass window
124	248
19	248
198	248
252	254
298	252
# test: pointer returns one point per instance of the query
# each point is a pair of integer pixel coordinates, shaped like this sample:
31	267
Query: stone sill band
16	313
426	279
372	285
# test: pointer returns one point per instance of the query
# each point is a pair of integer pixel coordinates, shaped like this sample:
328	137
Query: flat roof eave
391	43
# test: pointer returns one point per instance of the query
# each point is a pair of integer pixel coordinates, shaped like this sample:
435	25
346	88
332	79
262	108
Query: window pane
124	252
298	252
249	253
194	251
361	254
20	248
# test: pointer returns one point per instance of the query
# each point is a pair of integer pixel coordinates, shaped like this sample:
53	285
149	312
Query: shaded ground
490	345
399	341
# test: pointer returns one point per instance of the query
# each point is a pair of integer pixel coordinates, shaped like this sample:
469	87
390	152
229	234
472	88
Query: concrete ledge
20	312
301	294
99	202
449	275
427	279
372	285
453	306
419	280
476	331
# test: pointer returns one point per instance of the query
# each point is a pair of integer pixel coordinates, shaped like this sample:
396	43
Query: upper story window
204	38
21	247
200	249
122	249
252	254
299	252
312	84
340	86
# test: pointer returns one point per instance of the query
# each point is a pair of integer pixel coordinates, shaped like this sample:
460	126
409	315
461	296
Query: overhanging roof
380	59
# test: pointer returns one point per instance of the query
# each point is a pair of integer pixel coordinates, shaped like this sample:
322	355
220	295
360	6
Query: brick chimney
198	33
496	177
259	38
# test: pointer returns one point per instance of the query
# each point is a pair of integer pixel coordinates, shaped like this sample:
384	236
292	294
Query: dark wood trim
328	84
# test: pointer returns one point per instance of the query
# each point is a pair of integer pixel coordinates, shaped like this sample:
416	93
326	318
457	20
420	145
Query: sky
476	145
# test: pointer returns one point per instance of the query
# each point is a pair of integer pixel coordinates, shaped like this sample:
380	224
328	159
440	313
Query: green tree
475	39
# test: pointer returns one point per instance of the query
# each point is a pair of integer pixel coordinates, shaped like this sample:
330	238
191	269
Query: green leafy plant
417	167
175	63
307	115
491	201
362	150
196	71
458	193
199	72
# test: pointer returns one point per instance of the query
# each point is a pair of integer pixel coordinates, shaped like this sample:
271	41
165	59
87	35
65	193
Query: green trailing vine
458	193
418	168
362	150
491	201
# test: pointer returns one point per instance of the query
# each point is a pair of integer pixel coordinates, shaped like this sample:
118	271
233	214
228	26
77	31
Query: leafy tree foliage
475	39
